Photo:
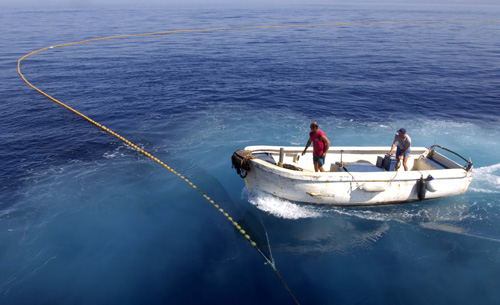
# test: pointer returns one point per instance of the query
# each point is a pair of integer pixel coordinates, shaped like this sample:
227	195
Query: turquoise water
85	219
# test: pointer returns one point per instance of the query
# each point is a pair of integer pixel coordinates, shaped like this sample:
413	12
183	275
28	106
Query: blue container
389	163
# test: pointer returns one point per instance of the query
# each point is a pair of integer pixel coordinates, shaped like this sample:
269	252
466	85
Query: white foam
280	207
116	153
363	213
481	190
486	179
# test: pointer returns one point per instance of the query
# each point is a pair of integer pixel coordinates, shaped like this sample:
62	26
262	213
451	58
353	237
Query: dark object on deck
389	163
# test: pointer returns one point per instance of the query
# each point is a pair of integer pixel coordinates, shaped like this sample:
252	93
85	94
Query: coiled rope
145	153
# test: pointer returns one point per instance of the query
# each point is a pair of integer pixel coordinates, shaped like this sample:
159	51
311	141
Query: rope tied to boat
241	161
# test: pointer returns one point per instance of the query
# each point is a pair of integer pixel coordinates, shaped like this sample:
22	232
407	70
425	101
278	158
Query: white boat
353	175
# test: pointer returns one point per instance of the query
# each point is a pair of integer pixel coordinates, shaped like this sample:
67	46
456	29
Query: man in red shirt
321	144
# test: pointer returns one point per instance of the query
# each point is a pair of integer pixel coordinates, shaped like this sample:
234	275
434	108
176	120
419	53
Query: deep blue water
84	219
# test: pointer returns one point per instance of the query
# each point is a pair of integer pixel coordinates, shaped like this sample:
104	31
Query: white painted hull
352	188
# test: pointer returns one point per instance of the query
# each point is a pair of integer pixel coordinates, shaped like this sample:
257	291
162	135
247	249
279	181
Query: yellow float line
249	28
234	223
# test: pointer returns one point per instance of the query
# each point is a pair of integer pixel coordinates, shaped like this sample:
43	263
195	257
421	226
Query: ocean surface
85	219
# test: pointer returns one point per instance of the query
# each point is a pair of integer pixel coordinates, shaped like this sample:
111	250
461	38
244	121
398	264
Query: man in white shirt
403	142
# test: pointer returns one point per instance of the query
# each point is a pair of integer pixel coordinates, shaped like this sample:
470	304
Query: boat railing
466	167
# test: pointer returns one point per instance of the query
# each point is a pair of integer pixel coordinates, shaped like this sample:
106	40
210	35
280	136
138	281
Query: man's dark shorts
399	152
319	159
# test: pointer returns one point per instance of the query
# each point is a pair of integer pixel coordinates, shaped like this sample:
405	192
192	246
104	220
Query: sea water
85	219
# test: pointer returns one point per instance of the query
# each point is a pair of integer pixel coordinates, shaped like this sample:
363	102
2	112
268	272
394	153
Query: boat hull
355	188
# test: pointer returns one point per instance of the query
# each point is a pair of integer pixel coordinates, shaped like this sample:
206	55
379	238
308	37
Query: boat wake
486	179
281	208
